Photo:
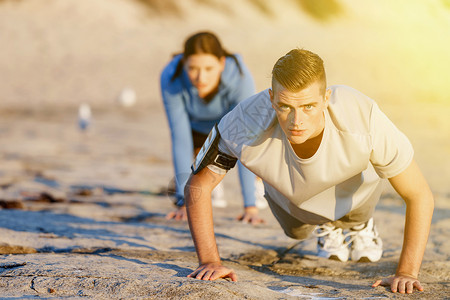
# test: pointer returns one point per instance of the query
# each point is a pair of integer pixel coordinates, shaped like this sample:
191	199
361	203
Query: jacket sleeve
243	85
180	129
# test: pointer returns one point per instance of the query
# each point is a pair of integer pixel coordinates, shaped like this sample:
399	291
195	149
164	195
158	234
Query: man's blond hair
298	69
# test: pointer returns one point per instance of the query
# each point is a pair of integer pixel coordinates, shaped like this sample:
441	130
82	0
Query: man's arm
198	204
413	188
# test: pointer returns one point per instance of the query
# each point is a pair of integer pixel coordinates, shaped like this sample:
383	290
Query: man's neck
308	148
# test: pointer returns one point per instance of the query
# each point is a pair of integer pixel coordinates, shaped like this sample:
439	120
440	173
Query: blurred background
63	52
57	54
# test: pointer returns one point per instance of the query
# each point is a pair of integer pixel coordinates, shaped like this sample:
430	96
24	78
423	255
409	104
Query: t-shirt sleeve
223	147
392	152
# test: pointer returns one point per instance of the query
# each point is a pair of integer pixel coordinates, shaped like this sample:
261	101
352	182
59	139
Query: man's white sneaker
366	245
331	242
218	196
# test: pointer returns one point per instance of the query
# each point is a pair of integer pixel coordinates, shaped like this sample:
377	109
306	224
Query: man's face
300	114
204	71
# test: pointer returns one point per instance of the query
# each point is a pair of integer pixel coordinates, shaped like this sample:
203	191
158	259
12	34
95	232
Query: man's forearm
417	228
413	188
199	210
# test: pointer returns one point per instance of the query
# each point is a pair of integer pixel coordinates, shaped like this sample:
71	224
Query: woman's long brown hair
203	43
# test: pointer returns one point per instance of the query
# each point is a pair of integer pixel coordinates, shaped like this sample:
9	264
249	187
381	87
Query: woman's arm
242	85
180	129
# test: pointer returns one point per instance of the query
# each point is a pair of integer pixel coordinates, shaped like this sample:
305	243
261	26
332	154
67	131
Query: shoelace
333	232
367	236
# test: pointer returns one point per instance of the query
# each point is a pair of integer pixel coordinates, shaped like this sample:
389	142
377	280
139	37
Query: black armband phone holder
210	155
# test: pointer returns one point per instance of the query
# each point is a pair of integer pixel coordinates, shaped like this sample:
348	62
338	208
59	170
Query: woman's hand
251	216
180	214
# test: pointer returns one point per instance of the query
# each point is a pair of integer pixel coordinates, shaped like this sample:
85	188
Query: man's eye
308	107
283	107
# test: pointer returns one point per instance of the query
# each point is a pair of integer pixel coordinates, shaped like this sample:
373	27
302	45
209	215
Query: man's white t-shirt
359	146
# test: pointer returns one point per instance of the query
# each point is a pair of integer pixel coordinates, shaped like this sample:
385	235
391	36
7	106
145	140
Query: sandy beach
82	212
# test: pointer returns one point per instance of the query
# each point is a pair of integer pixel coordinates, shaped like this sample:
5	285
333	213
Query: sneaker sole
364	260
336	258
